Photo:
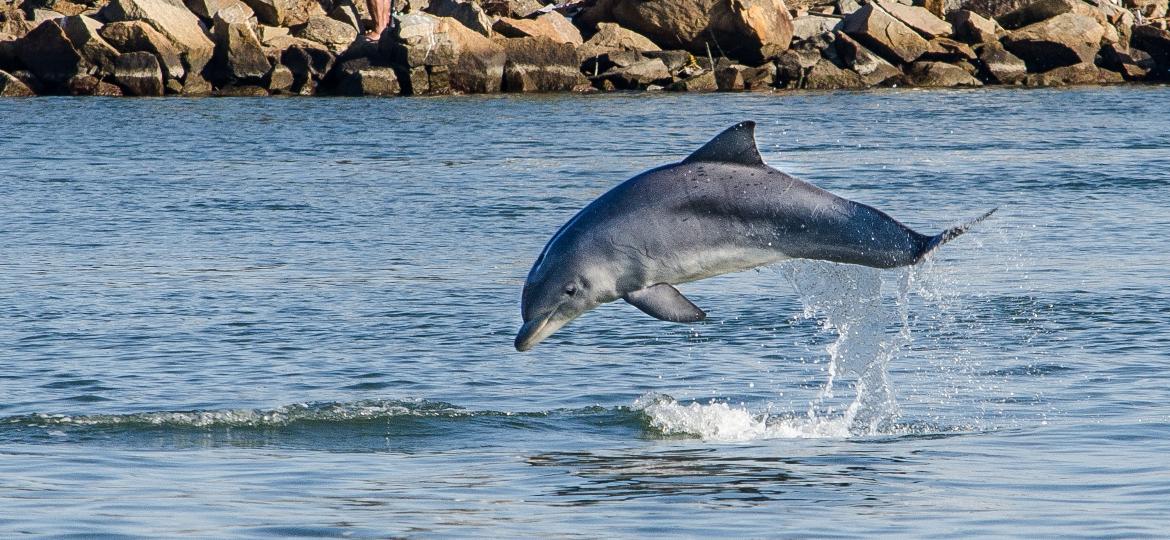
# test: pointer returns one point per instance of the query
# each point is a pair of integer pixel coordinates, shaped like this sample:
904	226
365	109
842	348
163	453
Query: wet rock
309	64
540	64
195	85
241	91
1132	64
466	12
729	78
551	25
639	75
456	59
1076	74
885	35
611	37
10	86
371	81
825	75
975	28
88	85
285	12
746	30
917	18
1000	66
1063	40
511	8
83	33
49	54
239	58
1156	42
173	20
139	74
279	80
872	69
138	36
939	74
703	82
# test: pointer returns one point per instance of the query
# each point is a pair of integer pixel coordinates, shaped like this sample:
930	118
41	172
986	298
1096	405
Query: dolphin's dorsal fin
737	144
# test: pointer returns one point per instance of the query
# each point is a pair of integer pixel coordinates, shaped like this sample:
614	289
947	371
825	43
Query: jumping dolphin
720	210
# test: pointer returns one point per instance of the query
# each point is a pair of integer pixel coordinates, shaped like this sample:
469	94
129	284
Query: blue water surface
294	318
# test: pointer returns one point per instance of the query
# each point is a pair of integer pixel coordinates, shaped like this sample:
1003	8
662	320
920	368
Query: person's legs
380	11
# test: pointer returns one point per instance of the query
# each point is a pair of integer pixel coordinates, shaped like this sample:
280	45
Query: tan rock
974	28
551	25
917	18
83	32
702	82
827	76
1074	75
49	54
1063	40
239	57
872	68
1000	66
285	12
455	58
885	35
468	13
173	20
611	37
747	30
334	34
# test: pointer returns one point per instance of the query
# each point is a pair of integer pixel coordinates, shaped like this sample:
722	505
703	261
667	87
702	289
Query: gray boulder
371	81
279	80
139	74
812	25
704	81
639	75
825	75
885	35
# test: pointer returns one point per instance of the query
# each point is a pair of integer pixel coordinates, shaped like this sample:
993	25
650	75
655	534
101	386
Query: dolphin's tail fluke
950	234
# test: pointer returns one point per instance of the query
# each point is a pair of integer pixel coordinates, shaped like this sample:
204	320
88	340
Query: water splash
871	328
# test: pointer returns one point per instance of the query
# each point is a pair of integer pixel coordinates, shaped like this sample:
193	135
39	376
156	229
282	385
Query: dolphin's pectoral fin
664	302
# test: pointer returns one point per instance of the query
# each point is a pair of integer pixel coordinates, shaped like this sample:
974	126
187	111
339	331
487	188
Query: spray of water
870	326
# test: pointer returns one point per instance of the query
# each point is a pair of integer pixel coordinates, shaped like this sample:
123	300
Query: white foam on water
871	328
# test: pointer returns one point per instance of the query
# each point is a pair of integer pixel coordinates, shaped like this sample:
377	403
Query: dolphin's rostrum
720	210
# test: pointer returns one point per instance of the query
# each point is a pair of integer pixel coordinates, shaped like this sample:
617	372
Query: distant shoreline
235	48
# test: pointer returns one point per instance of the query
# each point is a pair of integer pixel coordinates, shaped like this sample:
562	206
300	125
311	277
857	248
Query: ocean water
294	318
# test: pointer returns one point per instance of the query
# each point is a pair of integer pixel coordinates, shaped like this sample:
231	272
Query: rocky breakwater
306	47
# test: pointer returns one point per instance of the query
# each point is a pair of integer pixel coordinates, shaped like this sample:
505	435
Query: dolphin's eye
570	290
